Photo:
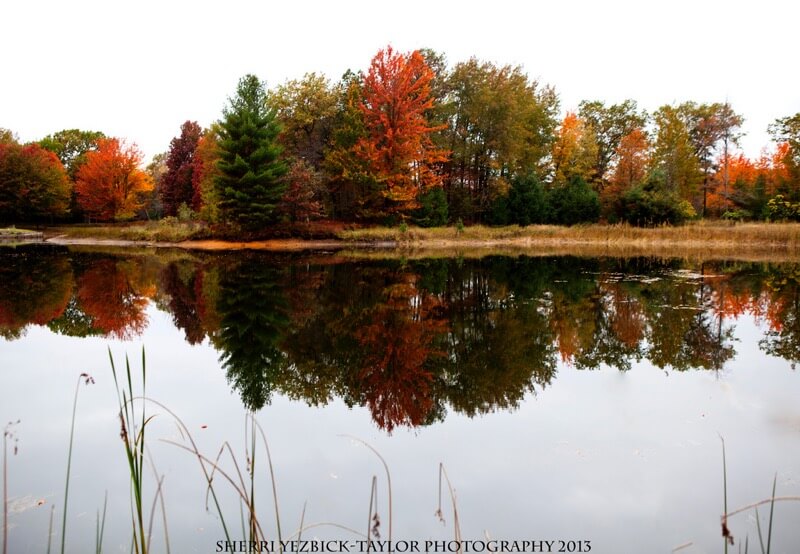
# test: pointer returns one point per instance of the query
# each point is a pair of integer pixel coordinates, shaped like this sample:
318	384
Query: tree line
412	139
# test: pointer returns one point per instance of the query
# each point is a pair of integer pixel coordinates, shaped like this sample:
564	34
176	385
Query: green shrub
645	207
781	209
185	213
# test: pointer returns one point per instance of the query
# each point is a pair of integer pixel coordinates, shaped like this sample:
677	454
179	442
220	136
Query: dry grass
11	235
13	231
718	233
165	230
699	239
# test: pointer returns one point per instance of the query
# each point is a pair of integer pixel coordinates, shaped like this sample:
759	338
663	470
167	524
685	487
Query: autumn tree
501	124
708	126
302	199
609	124
249	184
175	187
786	131
204	196
71	146
353	189
7	136
33	183
398	148
156	170
110	185
305	109
632	158
575	151
729	123
674	154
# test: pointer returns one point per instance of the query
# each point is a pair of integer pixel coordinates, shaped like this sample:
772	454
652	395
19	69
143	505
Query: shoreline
703	240
470	248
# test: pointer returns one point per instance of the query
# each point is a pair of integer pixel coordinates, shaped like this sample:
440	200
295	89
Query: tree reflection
410	340
107	294
35	288
253	318
394	378
783	314
182	283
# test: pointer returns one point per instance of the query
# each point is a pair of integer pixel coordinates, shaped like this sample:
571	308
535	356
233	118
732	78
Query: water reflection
409	340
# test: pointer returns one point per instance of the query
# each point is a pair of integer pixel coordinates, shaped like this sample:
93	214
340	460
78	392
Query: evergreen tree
527	201
433	208
574	203
249	183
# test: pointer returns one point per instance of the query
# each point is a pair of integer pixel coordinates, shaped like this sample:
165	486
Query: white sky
137	70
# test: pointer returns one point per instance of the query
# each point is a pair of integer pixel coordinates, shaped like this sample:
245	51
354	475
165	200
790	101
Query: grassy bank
164	230
701	239
705	234
12	233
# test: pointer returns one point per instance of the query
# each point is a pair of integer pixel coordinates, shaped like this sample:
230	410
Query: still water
568	399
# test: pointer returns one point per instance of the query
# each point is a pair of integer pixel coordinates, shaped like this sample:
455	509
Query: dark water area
569	398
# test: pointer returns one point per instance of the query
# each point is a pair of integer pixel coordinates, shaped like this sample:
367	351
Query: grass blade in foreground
134	441
88	380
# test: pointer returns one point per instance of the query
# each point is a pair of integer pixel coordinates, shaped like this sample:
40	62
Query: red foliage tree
110	184
176	185
301	200
398	148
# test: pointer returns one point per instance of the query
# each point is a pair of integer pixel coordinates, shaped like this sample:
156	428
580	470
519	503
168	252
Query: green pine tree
249	185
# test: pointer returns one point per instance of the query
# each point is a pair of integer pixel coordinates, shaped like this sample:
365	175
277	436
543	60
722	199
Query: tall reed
133	439
88	380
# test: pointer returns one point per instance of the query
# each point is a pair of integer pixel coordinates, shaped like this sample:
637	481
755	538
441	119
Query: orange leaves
398	342
632	159
740	168
398	147
110	184
574	150
107	296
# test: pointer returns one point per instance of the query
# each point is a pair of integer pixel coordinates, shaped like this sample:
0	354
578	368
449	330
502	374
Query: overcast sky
137	70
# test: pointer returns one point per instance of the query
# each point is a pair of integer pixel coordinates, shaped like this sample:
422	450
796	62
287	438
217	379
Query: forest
413	140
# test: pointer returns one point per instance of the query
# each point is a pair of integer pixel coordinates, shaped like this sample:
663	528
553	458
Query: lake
570	399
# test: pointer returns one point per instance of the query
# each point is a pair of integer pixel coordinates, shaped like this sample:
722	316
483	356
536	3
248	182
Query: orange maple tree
109	184
398	148
632	160
740	171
